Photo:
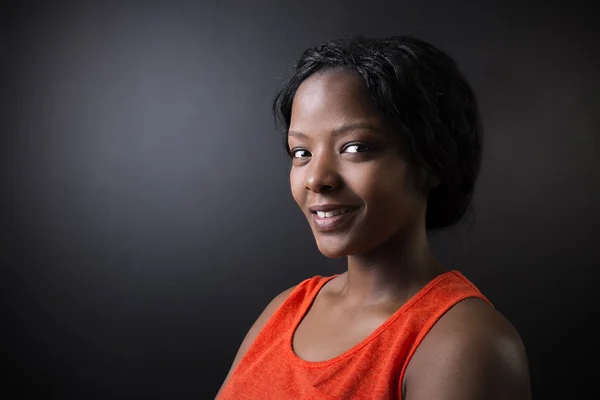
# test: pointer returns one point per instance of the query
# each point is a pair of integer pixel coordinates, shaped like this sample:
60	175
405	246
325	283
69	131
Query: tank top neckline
289	348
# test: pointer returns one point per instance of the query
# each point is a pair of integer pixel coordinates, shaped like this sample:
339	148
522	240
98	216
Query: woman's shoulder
472	319
472	350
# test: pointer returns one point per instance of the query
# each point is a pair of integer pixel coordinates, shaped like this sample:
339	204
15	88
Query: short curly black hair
422	89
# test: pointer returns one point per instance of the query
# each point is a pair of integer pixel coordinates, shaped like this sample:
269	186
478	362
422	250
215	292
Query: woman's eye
300	153
356	148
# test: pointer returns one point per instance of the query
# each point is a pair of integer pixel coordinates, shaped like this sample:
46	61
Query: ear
429	180
433	181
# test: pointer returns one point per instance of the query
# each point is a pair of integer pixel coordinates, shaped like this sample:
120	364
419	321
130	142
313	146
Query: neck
392	272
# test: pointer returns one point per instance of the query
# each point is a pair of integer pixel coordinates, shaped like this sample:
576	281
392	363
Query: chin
333	254
330	249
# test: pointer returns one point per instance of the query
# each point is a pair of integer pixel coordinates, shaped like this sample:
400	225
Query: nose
322	174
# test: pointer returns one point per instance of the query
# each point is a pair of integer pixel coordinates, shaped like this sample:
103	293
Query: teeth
333	213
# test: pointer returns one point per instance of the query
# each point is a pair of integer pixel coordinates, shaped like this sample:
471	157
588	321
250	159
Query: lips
334	220
330	207
333	213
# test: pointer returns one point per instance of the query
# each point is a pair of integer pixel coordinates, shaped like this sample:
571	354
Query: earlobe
429	179
433	181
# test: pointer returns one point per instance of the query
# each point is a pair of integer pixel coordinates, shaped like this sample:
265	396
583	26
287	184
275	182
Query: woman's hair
422	90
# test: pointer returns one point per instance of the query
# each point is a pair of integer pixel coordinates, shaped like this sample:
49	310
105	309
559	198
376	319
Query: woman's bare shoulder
472	352
279	299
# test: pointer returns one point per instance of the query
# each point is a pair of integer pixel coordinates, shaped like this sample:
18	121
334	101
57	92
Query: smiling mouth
333	213
333	221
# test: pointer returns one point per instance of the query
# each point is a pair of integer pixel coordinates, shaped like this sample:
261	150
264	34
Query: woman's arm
254	330
472	353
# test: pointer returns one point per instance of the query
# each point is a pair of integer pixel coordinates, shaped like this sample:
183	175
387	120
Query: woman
384	136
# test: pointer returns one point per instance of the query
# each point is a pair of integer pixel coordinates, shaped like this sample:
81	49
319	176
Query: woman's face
346	161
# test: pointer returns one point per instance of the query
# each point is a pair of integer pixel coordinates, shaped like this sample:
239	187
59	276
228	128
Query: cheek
386	198
297	186
384	188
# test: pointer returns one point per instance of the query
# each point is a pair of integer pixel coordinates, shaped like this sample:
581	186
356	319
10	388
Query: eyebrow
342	130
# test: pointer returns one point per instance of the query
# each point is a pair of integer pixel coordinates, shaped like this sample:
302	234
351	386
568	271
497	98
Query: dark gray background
146	217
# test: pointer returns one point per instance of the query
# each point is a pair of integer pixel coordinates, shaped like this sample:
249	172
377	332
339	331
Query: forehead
330	99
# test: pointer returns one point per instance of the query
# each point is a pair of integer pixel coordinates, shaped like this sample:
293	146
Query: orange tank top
372	369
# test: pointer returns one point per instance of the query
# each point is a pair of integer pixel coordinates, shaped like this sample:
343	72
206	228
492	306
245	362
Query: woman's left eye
356	148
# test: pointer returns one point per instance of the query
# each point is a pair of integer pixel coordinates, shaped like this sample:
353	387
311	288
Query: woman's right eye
300	153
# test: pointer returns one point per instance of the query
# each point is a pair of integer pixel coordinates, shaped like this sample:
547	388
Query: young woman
385	141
